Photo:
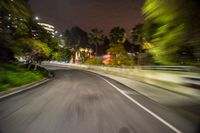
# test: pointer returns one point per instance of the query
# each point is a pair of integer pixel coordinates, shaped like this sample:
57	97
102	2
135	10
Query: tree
117	35
141	46
137	34
96	38
103	47
32	50
20	35
119	55
14	16
37	32
117	50
176	31
75	39
62	54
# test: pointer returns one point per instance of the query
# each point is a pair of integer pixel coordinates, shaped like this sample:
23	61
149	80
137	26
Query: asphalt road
76	101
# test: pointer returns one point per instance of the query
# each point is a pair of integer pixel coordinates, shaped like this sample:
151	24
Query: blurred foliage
16	8
32	50
38	32
137	34
14	18
62	55
96	38
58	56
119	55
76	38
141	46
173	27
83	56
94	61
116	49
122	60
145	59
117	35
21	35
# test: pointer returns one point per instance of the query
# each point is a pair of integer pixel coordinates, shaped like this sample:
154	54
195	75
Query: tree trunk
96	49
29	64
35	68
74	58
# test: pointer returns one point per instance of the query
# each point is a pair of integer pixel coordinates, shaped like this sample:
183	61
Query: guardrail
164	68
185	81
171	68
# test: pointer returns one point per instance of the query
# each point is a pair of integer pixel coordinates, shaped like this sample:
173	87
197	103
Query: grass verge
14	76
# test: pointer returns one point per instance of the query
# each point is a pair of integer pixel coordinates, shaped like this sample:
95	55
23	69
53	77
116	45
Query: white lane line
130	92
140	105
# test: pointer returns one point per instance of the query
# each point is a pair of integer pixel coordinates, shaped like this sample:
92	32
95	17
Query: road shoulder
23	88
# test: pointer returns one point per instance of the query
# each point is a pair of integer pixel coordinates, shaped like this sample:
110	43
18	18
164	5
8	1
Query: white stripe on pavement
140	105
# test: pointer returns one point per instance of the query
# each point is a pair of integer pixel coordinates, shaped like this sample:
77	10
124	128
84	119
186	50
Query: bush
120	56
121	60
94	61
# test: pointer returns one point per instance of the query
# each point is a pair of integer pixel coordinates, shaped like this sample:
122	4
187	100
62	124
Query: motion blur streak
90	105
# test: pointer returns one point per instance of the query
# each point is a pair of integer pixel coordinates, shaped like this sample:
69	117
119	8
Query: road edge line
143	107
14	92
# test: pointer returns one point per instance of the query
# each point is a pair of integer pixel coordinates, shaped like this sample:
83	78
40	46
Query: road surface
76	101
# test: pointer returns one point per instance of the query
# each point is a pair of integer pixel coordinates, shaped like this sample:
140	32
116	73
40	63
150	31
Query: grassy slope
13	76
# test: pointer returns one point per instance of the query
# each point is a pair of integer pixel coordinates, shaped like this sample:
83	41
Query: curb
21	89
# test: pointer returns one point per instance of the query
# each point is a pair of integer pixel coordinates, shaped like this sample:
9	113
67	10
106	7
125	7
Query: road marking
140	105
24	88
130	92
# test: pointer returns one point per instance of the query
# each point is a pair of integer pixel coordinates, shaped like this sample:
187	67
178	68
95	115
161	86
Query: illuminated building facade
50	28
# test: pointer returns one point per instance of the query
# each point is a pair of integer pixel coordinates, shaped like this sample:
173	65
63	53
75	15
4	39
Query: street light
36	18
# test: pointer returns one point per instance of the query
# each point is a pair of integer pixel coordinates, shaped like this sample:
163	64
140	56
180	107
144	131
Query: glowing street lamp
36	18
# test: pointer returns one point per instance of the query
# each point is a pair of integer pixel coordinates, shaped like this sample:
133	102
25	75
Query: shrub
94	61
121	60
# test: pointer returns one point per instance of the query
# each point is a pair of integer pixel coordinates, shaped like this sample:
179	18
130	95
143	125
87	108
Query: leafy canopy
173	26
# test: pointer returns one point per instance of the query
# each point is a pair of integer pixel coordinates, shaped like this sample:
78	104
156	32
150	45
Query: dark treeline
170	35
21	36
116	43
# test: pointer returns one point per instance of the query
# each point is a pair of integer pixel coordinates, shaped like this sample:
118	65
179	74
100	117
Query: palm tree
96	38
137	33
117	35
75	39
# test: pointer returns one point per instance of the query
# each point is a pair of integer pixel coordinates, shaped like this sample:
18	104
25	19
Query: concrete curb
21	89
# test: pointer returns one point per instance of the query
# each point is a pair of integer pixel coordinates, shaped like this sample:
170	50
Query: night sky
103	14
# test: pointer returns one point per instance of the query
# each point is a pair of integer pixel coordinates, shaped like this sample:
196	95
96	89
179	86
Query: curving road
76	101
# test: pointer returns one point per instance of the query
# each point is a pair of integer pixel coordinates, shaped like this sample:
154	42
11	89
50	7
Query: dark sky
87	14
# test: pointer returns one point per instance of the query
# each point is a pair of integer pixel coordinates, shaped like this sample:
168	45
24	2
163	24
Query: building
49	28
